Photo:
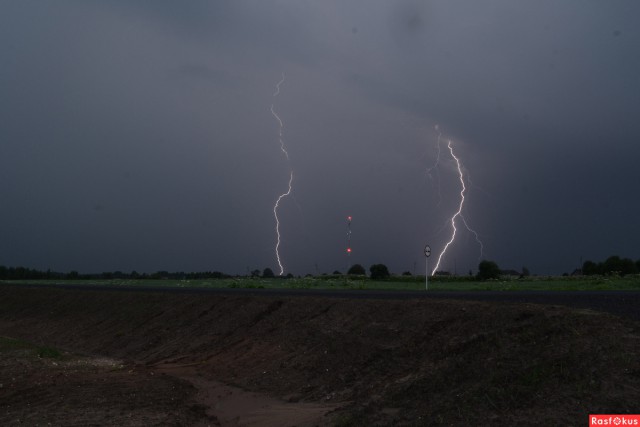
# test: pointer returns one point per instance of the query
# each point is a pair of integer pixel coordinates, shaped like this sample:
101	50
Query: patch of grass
10	345
48	353
353	418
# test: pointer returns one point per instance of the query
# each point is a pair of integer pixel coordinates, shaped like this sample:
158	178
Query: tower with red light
348	242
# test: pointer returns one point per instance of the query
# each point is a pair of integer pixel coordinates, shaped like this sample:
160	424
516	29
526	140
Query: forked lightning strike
436	165
458	213
277	92
282	196
275	214
282	147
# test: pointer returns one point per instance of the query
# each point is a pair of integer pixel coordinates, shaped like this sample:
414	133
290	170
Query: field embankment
400	362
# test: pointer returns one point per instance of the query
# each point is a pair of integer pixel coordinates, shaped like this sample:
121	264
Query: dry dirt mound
378	362
42	386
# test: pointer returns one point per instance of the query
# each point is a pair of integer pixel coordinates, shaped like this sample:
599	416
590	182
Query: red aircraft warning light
349	250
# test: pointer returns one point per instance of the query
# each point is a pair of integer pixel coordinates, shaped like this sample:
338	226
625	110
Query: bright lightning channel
282	146
275	214
458	213
283	195
277	92
436	165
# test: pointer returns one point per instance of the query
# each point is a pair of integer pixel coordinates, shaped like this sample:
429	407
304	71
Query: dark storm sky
137	135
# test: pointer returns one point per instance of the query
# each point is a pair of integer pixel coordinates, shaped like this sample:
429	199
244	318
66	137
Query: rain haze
139	135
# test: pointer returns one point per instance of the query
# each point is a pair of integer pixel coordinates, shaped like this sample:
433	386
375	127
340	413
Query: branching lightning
288	192
458	213
436	165
282	146
275	214
277	92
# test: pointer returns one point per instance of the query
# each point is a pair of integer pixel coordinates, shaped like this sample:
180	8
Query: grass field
537	283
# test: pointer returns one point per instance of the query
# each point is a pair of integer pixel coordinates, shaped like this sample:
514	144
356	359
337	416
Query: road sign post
427	253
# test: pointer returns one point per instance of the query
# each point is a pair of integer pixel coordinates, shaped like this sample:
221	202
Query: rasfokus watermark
614	420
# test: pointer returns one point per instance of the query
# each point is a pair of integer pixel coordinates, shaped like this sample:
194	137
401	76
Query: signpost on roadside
427	253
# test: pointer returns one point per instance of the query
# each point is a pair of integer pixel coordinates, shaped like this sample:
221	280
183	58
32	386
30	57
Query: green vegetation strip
404	283
12	345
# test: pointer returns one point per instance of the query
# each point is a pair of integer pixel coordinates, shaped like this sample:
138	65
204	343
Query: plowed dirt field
89	357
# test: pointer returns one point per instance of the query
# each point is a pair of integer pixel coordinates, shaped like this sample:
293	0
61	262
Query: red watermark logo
614	420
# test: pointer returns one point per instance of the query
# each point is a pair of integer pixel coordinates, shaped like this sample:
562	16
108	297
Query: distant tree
337	273
613	264
162	274
255	273
488	270
616	265
289	276
357	269
627	266
590	268
379	271
525	272
406	273
267	273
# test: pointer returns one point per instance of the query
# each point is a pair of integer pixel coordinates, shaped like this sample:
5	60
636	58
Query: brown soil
152	358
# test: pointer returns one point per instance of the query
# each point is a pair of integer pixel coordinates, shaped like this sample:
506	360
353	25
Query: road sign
427	253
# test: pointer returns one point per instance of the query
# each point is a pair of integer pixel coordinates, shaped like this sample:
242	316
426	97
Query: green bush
488	270
357	269
379	271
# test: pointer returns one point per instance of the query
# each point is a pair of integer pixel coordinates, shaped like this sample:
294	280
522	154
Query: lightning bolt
436	165
458	213
277	92
282	146
288	192
275	214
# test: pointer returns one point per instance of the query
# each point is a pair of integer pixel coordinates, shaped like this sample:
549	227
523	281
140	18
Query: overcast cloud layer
139	136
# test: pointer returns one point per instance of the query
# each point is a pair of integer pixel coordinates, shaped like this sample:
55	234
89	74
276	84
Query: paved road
620	303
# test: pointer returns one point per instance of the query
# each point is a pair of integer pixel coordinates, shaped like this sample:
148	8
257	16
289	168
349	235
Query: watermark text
614	420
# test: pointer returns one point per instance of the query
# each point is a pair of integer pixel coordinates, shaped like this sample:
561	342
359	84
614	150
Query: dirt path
235	407
41	386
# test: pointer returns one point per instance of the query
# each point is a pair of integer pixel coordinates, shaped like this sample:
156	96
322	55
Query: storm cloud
138	135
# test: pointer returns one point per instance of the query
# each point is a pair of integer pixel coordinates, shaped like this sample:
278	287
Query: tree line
22	273
612	265
487	270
